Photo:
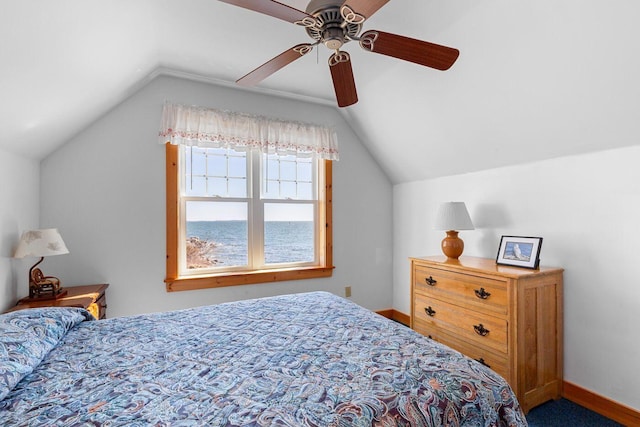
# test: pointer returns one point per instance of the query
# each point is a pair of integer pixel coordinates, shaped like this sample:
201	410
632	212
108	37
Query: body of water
285	241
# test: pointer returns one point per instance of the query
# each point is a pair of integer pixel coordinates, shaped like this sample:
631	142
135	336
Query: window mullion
256	212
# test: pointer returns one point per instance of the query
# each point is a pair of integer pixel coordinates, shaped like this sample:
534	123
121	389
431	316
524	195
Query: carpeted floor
563	413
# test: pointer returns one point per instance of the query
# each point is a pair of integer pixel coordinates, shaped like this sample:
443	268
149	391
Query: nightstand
90	297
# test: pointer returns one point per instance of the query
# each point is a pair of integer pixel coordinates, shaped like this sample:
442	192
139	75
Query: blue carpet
563	413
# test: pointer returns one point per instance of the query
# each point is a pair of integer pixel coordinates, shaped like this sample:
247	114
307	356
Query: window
231	216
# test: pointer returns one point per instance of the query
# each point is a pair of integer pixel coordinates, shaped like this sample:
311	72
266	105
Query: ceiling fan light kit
334	23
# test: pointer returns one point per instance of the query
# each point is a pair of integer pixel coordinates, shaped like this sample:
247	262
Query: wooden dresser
508	318
91	297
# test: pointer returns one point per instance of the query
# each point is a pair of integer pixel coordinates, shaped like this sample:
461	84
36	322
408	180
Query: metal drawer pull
481	360
430	311
480	330
482	294
431	281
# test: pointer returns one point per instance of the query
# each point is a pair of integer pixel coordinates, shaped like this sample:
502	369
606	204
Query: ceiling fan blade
417	51
356	11
342	75
273	8
270	67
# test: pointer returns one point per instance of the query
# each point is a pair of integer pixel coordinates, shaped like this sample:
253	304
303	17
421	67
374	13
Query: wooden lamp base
452	245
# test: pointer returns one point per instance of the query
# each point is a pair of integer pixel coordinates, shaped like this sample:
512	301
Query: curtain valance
207	127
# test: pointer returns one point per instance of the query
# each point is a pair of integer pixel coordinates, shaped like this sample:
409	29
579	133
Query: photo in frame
519	251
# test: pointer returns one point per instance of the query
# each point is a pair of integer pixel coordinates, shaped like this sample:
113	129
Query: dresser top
483	265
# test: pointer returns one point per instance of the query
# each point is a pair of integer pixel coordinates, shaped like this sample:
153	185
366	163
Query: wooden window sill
188	283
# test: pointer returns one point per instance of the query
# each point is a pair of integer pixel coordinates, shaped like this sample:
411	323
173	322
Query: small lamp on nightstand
452	217
42	243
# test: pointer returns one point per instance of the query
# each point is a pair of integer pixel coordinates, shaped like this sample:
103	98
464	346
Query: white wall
105	191
19	210
587	209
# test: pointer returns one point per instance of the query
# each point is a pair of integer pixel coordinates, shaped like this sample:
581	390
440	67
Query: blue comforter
311	359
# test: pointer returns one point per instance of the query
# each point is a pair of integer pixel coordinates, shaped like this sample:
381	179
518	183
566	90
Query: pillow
26	336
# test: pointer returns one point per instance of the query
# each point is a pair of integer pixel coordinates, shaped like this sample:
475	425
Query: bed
310	359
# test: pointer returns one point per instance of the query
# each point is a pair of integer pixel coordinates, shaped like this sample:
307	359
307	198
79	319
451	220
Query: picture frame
519	251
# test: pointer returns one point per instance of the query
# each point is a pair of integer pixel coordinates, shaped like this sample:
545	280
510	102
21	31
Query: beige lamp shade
41	243
451	217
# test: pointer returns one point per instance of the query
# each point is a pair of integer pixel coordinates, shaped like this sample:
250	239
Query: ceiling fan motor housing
331	29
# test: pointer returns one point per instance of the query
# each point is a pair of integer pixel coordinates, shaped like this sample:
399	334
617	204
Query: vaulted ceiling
534	80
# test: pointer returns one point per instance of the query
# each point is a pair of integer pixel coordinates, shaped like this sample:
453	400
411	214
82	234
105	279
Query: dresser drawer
499	363
481	293
479	328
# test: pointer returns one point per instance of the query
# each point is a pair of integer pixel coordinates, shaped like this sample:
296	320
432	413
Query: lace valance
207	127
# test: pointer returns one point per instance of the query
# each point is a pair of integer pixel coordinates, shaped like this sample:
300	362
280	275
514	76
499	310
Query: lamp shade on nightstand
452	217
41	243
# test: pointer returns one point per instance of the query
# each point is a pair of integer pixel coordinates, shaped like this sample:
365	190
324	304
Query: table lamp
42	243
452	217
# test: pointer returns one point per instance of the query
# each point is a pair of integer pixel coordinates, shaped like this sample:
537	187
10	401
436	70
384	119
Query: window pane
271	190
217	187
216	166
288	190
237	166
304	171
196	186
305	191
288	171
288	233
198	160
273	171
216	234
237	187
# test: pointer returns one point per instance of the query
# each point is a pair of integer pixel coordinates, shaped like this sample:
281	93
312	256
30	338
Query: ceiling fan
334	23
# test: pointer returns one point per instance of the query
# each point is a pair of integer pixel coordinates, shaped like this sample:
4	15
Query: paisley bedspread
311	359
